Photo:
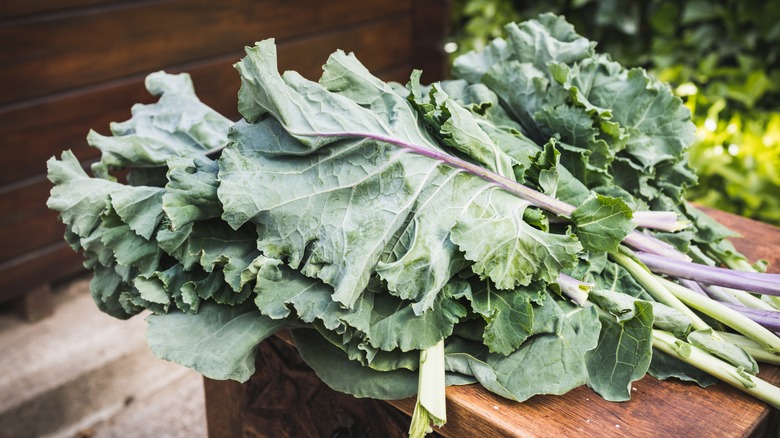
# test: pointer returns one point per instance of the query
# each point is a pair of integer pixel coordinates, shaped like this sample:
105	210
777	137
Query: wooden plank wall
68	66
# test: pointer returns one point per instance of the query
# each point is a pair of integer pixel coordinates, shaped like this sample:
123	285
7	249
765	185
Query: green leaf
218	342
83	200
191	192
281	290
550	363
458	128
473	65
212	244
615	278
424	258
550	38
394	323
140	208
349	205
623	307
177	125
467	358
106	286
79	198
623	353
729	352
554	178
129	249
602	223
509	315
341	374
507	250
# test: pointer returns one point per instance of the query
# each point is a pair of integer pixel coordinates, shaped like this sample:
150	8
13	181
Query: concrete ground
81	373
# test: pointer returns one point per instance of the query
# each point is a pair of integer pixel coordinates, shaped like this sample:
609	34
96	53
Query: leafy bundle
414	237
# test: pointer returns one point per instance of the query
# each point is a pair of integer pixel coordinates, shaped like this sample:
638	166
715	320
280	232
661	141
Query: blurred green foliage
721	57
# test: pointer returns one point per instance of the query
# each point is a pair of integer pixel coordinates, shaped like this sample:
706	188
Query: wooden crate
68	66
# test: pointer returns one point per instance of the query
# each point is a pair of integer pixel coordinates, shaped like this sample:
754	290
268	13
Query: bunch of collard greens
412	237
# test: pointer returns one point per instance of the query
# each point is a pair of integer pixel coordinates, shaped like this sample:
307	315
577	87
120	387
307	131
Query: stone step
177	411
77	369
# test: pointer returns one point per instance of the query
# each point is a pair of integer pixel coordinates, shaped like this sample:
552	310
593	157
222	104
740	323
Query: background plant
720	57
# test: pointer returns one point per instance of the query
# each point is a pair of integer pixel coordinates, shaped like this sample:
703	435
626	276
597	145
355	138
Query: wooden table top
664	409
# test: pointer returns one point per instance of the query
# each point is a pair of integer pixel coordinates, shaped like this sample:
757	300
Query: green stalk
747	299
431	396
651	283
704	361
730	317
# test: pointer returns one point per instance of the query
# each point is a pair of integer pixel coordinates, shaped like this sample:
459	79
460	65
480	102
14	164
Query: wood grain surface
286	399
37	56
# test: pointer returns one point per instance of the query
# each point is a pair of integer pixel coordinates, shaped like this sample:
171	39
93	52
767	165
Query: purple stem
770	319
694	286
649	244
719	294
659	220
710	275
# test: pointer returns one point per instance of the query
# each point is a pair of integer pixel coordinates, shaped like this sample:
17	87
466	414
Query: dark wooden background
67	66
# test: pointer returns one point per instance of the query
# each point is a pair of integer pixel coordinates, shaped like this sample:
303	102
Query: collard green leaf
177	125
129	249
394	323
554	179
457	127
602	223
175	286
191	191
140	208
473	65
659	125
212	244
522	89
467	358
152	289
506	249
731	353
623	307
615	278
218	342
508	314
341	374
106	286
617	126
342	205
623	353
548	38
79	199
424	257
282	290
494	121
550	363
121	218
340	214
